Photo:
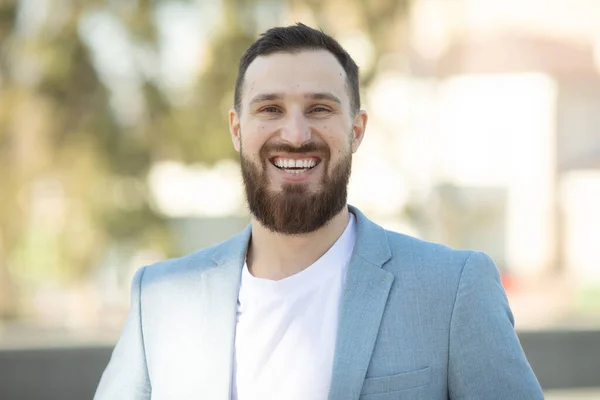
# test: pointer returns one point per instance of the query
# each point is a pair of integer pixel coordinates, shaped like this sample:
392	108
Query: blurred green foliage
73	176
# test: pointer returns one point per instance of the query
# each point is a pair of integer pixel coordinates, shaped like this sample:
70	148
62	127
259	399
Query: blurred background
115	153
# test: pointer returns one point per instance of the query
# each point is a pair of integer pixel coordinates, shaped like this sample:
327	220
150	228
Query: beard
295	210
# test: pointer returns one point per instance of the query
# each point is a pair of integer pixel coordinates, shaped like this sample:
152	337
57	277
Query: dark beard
295	210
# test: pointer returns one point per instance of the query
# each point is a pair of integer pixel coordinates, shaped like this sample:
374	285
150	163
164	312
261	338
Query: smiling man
313	300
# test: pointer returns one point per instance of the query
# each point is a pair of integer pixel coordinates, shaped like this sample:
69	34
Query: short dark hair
293	39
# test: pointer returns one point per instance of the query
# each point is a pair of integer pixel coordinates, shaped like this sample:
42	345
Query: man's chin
292	188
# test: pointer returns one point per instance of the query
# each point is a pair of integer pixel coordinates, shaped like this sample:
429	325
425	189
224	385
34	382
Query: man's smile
295	165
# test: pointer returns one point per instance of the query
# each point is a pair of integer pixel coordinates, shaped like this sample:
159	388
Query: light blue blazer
417	321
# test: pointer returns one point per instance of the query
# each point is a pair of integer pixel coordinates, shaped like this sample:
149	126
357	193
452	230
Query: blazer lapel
218	298
363	303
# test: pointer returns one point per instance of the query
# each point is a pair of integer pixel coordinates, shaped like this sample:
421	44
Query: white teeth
289	163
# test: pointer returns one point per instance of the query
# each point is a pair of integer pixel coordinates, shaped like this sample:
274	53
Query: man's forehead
312	71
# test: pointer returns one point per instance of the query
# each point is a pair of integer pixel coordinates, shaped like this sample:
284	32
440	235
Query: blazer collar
212	302
371	240
363	303
234	249
371	243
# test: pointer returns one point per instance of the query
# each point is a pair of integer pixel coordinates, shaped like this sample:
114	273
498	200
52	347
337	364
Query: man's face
296	136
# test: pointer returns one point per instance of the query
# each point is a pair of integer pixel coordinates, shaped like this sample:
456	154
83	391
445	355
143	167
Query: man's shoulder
434	270
426	255
195	262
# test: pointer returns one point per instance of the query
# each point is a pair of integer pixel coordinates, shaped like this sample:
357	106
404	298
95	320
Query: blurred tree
10	213
205	136
73	178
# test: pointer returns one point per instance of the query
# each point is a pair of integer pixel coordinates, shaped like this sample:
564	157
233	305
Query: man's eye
270	109
319	110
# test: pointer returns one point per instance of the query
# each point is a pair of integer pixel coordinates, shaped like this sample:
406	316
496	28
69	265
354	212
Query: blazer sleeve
126	376
486	360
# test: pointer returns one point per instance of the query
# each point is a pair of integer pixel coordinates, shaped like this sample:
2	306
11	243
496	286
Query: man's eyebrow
259	98
324	96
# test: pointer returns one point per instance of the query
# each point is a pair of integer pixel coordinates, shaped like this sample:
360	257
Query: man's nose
296	130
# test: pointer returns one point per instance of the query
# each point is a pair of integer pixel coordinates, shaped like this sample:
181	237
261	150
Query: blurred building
516	100
519	89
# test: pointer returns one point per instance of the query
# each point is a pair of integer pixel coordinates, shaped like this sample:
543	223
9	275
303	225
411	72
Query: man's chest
284	347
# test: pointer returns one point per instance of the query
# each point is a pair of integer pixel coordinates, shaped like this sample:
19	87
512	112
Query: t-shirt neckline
334	259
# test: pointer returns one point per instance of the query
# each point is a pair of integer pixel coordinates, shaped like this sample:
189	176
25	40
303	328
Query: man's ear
234	129
358	129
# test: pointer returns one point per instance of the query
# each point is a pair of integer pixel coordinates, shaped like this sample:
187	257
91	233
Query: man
313	300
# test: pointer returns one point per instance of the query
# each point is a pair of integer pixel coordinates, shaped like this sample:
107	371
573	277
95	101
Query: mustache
310	147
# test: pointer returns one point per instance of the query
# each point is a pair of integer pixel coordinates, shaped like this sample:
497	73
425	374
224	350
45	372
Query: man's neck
276	256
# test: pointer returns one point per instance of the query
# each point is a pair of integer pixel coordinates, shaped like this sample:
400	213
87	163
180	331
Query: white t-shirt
286	330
